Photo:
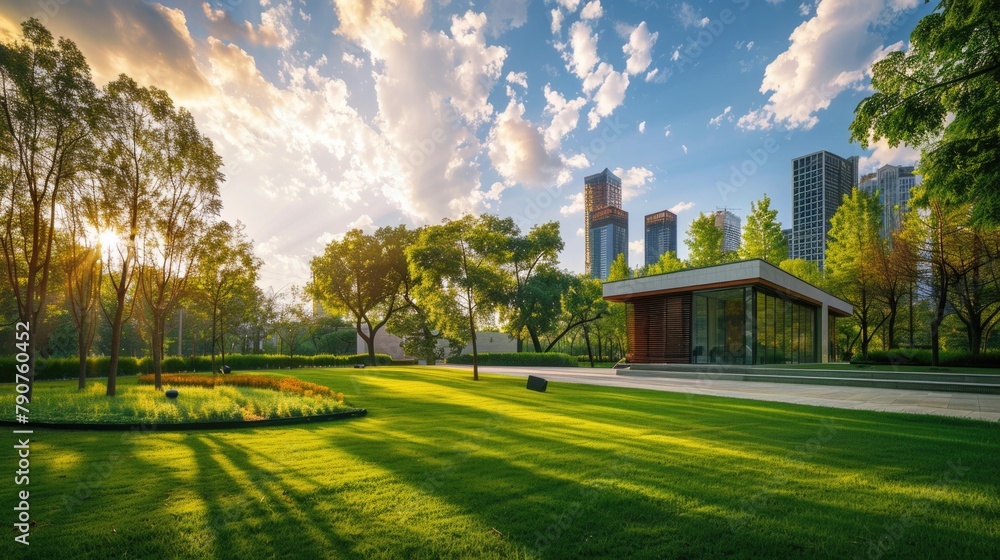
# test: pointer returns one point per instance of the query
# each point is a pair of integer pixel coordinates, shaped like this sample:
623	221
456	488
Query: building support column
824	328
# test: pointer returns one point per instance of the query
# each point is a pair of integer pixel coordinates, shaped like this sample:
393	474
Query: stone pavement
962	405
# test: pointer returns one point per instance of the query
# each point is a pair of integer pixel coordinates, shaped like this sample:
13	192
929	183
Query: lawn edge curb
186	426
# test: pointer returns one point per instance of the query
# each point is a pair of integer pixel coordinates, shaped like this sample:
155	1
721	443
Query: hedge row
546	359
69	368
911	357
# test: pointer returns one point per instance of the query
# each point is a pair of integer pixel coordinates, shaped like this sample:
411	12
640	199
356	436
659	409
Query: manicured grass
62	402
444	467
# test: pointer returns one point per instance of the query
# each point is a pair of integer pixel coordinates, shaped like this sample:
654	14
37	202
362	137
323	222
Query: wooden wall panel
659	329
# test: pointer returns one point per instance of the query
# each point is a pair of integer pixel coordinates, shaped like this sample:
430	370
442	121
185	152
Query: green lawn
443	467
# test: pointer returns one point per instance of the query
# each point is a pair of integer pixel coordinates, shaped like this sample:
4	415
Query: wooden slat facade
659	329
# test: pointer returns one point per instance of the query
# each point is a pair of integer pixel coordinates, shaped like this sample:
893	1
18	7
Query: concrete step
961	383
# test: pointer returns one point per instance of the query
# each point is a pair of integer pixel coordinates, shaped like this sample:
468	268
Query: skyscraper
608	239
600	190
894	186
730	224
819	183
661	235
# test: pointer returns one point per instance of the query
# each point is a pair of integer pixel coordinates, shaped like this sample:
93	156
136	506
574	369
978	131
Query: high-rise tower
600	190
819	183
661	235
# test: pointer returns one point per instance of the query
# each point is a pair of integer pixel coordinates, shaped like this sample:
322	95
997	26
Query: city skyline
331	116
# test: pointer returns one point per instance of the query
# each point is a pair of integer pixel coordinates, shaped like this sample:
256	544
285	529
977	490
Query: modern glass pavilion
748	312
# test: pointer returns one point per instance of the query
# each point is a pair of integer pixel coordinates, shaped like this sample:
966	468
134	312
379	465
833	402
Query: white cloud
352	60
610	95
690	17
750	45
685	148
642	127
517	150
575	204
592	10
882	154
639	49
557	19
583	50
570	5
519	78
655	76
829	53
681	207
364	221
717	120
565	116
637	247
579	232
275	29
506	14
666	131
635	181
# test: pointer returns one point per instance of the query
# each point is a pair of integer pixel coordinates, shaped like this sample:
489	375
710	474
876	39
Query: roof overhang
731	275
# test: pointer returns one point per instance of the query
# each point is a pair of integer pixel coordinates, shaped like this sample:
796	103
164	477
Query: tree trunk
590	352
534	340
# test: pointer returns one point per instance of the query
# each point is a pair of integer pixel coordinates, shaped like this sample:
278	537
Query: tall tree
935	235
181	212
803	270
704	242
537	284
293	321
853	242
46	96
133	128
81	263
619	269
941	94
975	295
668	263
762	238
224	283
582	303
459	274
365	277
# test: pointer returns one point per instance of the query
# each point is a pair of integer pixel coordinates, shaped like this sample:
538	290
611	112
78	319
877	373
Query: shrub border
185	426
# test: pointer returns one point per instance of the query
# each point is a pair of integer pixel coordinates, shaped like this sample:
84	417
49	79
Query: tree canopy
942	95
762	238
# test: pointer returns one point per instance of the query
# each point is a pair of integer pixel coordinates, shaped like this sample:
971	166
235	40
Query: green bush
69	368
903	357
545	359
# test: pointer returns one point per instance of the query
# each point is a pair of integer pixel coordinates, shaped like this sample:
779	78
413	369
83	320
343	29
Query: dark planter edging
186	426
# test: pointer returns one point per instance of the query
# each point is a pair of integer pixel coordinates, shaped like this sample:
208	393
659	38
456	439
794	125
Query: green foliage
668	263
942	95
68	368
459	277
136	404
619	269
802	269
704	242
364	277
762	238
537	359
853	243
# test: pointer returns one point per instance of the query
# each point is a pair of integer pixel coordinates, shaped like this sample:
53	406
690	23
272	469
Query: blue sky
333	114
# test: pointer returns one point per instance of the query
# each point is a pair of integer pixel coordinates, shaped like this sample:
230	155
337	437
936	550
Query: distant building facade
608	239
600	190
731	226
661	235
819	183
787	235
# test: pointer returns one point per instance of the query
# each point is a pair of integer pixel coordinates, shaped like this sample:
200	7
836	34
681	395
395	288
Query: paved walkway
962	405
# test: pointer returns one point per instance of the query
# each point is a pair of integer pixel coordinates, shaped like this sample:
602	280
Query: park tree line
109	210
